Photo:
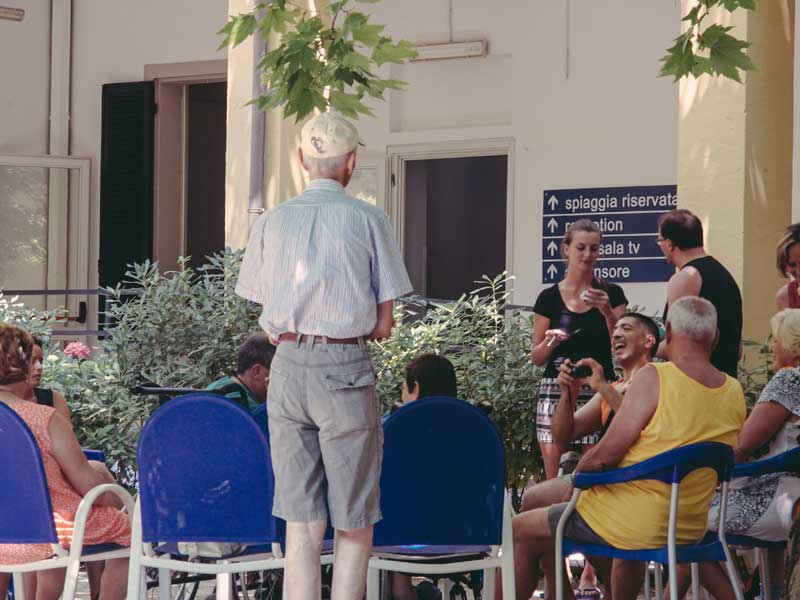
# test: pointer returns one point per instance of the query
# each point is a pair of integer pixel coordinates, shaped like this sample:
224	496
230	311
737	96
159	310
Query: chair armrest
97	455
668	467
85	506
788	461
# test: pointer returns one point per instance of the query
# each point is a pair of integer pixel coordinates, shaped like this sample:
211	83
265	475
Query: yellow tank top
634	515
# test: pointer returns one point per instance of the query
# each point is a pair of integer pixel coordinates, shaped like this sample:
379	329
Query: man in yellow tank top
667	405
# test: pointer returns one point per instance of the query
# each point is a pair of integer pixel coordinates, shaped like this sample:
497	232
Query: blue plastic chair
443	496
21	462
669	467
786	462
205	475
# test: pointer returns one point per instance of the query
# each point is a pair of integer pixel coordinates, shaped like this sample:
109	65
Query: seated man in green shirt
248	386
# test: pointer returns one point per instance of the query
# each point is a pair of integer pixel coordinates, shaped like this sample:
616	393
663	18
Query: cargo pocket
353	401
357	379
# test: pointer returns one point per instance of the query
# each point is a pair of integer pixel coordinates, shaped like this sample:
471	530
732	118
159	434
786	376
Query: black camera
580	372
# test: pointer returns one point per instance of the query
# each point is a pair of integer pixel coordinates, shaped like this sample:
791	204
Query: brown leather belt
292	337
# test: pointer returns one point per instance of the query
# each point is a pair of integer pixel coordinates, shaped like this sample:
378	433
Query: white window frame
375	162
398	155
77	275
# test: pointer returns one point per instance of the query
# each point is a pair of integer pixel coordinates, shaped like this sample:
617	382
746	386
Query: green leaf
238	29
393	53
355	60
727	57
692	15
369	35
348	104
680	59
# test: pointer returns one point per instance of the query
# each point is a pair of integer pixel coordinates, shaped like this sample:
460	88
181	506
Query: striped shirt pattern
320	263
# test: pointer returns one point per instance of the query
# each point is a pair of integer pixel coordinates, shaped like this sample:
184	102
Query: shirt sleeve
389	277
544	304
784	389
249	285
616	296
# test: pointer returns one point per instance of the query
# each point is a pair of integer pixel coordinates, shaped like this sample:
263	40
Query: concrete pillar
238	143
735	156
283	176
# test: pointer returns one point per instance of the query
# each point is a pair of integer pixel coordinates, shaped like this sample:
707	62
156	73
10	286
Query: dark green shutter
126	178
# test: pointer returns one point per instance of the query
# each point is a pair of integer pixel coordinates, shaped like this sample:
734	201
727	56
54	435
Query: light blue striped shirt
320	263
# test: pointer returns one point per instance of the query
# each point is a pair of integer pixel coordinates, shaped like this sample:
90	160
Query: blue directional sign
627	217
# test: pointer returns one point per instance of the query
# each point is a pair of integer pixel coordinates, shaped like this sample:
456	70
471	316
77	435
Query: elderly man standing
326	269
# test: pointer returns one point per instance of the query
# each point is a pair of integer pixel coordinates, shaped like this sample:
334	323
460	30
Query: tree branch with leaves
316	66
708	49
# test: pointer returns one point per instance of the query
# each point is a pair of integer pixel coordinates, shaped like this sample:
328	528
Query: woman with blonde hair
764	506
787	260
69	477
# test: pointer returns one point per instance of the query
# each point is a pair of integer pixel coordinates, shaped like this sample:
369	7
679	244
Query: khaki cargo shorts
325	433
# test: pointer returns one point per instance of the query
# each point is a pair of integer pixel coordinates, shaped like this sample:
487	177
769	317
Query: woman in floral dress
69	477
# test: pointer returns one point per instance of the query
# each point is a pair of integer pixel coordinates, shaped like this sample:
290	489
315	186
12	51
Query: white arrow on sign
552	270
552	224
552	248
552	202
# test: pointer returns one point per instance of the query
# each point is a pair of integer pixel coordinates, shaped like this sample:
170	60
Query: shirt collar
328	185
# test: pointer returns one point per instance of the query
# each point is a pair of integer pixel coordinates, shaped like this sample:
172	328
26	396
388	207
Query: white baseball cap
328	135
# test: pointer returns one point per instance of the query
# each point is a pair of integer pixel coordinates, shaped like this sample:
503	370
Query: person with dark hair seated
427	375
248	386
40	395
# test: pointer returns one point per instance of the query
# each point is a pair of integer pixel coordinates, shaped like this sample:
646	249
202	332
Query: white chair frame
500	557
72	559
142	555
671	544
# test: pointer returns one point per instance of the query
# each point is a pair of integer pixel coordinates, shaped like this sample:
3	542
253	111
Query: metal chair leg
659	583
695	581
763	570
647	581
164	584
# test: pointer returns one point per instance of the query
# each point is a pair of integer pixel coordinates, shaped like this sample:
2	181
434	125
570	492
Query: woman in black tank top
44	396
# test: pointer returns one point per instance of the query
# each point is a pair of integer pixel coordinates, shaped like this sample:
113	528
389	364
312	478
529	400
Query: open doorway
205	170
189	173
453	216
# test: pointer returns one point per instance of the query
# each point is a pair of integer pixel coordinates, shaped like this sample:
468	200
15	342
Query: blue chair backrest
97	455
26	515
443	476
205	474
259	413
670	466
788	461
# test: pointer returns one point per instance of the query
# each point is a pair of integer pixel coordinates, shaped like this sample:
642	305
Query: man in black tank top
681	241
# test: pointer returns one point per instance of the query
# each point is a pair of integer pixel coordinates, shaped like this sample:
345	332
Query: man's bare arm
598	382
385	322
568	425
563	421
633	416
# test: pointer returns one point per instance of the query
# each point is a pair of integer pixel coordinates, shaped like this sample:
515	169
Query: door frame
170	227
398	155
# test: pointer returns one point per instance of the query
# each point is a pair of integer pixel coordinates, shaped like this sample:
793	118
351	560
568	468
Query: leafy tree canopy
711	48
319	66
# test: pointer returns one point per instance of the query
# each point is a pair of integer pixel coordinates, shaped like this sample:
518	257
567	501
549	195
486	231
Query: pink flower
78	350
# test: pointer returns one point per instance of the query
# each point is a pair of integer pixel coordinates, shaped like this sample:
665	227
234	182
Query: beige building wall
546	88
735	156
